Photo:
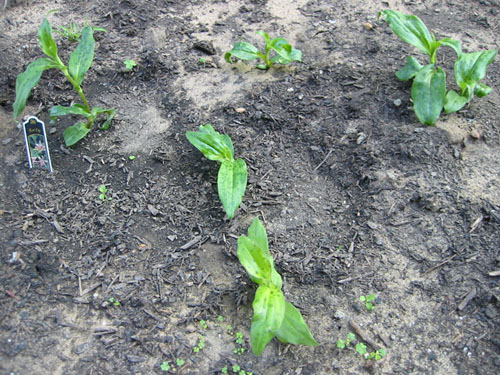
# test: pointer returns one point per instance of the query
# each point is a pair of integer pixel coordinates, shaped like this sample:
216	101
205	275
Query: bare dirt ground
357	196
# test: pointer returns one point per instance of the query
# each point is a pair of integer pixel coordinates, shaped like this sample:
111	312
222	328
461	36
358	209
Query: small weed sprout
200	345
114	301
132	157
73	33
368	300
341	344
203	324
165	366
180	362
130	64
103	190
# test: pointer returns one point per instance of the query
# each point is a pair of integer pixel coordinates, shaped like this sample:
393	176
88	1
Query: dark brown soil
357	197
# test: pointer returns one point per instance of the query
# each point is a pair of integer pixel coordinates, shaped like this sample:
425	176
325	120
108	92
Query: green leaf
470	68
361	348
47	43
286	53
110	113
231	184
294	329
211	143
243	51
410	69
76	109
428	92
257	234
452	43
27	80
253	259
268	313
411	30
266	37
482	90
81	58
454	101
75	133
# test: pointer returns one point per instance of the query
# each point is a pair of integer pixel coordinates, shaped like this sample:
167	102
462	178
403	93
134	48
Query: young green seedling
200	345
130	64
285	53
428	90
273	316
232	177
103	190
368	300
79	63
341	344
114	301
73	33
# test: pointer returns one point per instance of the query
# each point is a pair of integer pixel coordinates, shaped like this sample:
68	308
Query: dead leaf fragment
240	110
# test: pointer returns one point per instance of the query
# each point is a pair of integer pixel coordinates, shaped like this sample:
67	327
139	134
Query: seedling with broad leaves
285	53
232	177
428	90
273	316
79	63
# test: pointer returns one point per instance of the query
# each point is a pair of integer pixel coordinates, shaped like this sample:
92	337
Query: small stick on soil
439	264
467	299
364	336
322	162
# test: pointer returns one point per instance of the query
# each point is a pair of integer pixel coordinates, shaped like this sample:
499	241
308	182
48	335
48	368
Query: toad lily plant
232	177
79	63
272	315
285	53
428	90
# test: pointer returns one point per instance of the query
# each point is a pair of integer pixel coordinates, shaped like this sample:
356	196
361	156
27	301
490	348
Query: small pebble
52	130
397	102
6	141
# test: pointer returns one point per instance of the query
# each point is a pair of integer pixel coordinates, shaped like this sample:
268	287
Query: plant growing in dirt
428	90
73	33
79	63
130	64
285	53
368	301
273	316
342	344
232	177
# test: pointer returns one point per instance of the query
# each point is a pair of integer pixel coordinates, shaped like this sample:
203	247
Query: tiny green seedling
202	61
165	366
200	345
240	342
428	90
103	190
73	33
342	344
273	316
376	355
79	63
131	157
232	177
114	301
203	324
285	53
368	301
130	64
179	362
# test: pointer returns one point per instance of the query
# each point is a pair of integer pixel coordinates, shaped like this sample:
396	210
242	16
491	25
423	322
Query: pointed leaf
454	102
27	80
47	42
268	313
212	144
470	68
410	29
76	109
482	90
452	43
231	184
253	260
75	133
243	51
286	54
293	329
428	92
110	113
410	69
265	36
83	55
257	234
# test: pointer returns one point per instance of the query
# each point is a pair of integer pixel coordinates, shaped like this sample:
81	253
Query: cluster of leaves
361	348
130	64
201	344
79	63
285	53
368	301
166	366
273	316
428	90
103	190
73	33
232	177
236	369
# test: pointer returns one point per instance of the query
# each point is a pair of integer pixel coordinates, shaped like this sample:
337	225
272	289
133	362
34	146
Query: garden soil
357	196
